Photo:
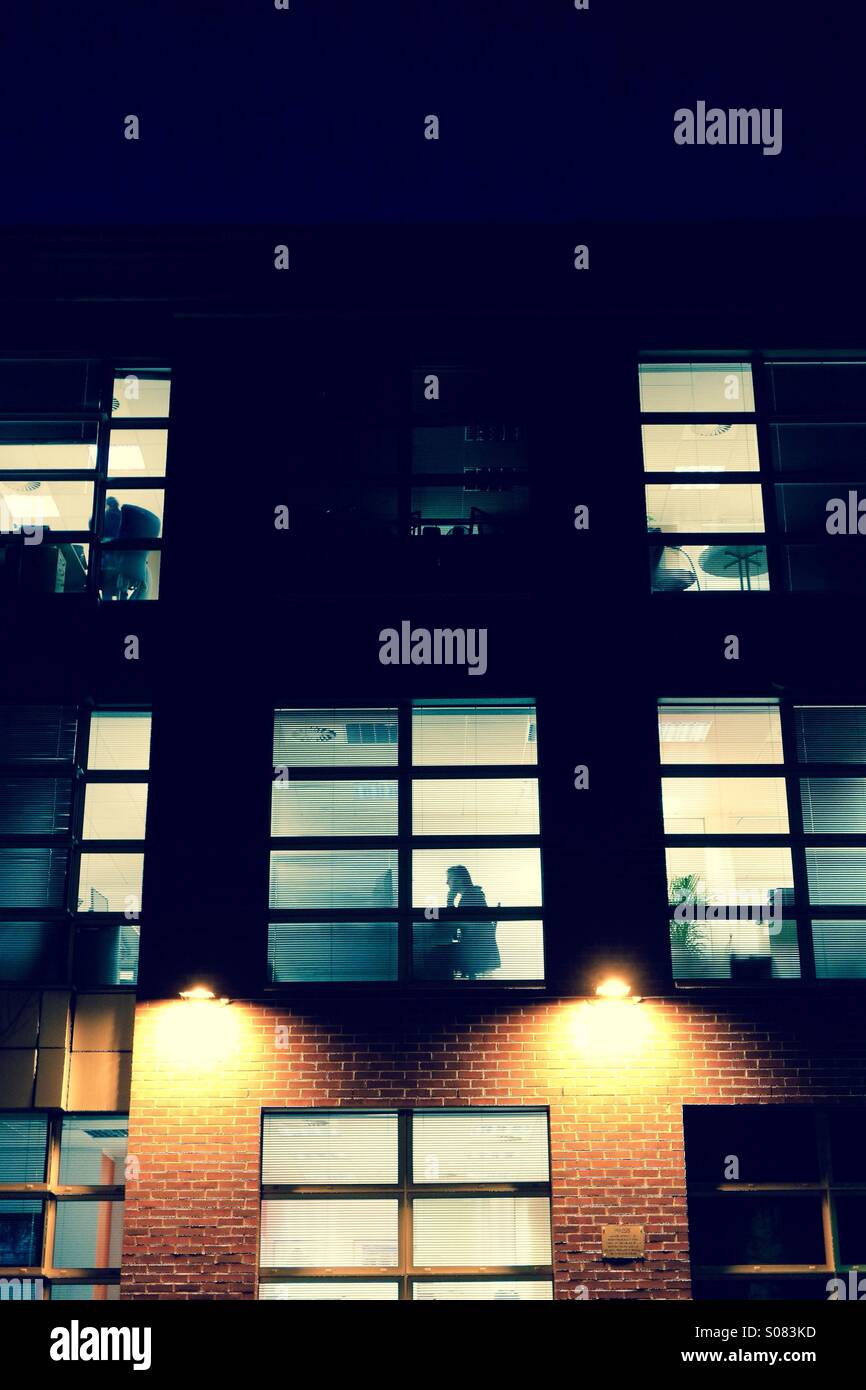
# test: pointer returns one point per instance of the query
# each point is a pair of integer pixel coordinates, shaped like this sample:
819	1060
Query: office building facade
406	891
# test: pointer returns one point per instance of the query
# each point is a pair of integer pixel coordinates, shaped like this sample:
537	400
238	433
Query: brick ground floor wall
615	1077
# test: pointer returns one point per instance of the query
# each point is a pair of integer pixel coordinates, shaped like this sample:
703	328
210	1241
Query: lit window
81	500
449	1190
348	903
48	1234
761	882
66	774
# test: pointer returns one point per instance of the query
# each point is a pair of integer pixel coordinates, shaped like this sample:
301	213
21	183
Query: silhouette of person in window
475	953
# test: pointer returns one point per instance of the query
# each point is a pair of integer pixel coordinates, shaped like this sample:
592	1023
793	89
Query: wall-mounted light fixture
615	987
201	994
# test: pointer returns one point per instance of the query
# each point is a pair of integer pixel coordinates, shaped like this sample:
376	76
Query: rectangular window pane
708	569
33	878
119	742
699	387
85	1293
836	876
820	568
334	808
723	874
126	575
734	949
33	952
23	1147
496	1290
831	734
500	877
20	1233
466	510
479	1146
45	385
106	955
694	506
469	449
44	568
473	735
35	805
137	395
132	514
469	806
724	805
330	1148
47	447
501	950
807	386
846	1143
332	951
750	1229
840	949
834	805
333	1291
37	733
56	506
335	738
481	1230
88	1235
115	810
773	1143
137	453
831	449
110	882
362	878
851	1226
720	733
700	448
802	508
329	1232
93	1150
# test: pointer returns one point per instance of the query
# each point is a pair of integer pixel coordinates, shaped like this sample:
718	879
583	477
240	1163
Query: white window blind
119	742
479	1146
335	738
334	878
334	808
322	1232
475	806
330	1147
480	735
481	1231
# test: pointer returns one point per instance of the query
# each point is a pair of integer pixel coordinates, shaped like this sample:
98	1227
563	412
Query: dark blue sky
250	114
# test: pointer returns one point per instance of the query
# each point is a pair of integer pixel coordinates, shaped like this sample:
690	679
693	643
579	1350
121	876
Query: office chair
125	573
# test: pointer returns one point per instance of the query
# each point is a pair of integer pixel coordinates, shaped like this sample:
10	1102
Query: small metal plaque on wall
623	1242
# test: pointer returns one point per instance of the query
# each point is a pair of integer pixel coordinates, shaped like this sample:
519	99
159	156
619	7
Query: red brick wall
615	1077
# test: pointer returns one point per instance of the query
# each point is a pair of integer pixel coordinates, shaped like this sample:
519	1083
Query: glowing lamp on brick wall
615	987
201	994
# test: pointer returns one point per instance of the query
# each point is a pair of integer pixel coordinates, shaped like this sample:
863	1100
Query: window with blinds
379	1205
749	469
58	1242
73	807
766	874
406	845
82	478
806	1222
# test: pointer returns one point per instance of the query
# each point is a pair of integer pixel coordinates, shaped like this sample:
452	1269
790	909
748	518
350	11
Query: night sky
547	114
